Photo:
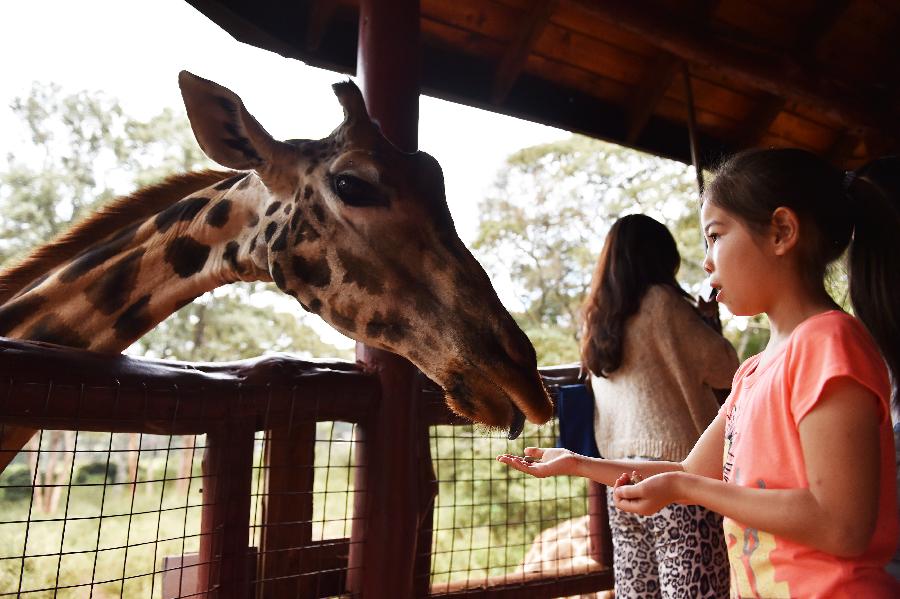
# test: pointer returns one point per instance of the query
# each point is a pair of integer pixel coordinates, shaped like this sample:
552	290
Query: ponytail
874	255
859	210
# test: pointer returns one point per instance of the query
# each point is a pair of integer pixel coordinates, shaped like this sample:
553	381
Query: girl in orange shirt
800	459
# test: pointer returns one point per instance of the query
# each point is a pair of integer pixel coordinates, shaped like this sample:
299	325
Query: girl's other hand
541	463
647	496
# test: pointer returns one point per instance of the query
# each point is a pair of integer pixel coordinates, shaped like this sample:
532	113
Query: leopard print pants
678	552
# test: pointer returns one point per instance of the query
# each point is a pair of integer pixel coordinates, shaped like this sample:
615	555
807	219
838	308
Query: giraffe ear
226	132
356	116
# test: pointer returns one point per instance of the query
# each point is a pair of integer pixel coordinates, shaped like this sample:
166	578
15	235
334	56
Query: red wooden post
288	511
225	517
388	507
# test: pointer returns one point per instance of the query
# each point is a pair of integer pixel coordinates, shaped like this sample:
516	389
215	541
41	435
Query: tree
84	150
545	220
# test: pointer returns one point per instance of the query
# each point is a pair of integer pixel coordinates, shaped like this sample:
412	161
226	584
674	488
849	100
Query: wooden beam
779	76
513	61
648	94
817	26
658	79
759	121
814	29
320	14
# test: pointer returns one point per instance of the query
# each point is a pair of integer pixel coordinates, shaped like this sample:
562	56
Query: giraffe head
359	232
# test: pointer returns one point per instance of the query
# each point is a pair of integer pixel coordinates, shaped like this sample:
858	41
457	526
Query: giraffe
354	229
563	550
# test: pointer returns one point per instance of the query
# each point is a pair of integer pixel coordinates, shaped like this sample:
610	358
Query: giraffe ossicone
356	230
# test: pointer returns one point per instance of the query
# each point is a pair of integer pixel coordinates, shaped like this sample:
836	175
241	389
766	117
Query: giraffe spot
280	241
230	256
229	182
307	192
272	208
183	210
288	208
295	220
218	214
254	220
135	320
347	320
186	255
312	166
392	327
278	275
315	306
306	233
95	256
316	273
319	212
14	312
360	272
252	245
49	330
110	292
270	230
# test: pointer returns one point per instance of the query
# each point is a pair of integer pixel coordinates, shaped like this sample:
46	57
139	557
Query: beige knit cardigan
660	400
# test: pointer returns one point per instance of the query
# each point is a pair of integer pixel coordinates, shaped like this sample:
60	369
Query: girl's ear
785	230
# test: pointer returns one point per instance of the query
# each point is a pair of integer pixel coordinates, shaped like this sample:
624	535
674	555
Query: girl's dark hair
638	252
858	209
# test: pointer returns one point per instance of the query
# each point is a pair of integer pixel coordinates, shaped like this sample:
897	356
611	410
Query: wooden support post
225	517
692	127
388	505
288	512
599	532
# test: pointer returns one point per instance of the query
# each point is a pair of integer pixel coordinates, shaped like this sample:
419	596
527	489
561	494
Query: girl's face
738	264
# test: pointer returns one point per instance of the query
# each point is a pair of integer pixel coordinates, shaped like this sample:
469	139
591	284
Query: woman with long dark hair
654	363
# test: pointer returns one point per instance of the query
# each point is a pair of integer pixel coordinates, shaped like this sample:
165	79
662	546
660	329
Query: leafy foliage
544	223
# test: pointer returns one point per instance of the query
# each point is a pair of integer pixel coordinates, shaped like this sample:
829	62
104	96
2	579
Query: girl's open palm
552	461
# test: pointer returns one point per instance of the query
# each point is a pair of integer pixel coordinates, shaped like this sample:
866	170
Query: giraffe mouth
517	425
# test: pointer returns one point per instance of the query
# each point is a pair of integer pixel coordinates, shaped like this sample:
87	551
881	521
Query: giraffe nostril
517	346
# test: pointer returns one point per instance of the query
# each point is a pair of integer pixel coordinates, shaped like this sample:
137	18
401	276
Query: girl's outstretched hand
647	496
541	463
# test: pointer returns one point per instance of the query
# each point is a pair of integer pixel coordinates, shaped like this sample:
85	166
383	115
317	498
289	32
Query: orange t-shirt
762	449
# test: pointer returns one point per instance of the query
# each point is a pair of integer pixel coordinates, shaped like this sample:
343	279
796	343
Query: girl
653	386
807	484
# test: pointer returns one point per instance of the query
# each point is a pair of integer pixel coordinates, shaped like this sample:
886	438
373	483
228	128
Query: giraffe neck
117	289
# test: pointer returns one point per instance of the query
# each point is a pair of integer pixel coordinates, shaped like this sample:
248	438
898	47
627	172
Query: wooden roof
815	74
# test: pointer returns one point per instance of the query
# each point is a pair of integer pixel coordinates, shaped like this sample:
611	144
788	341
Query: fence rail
267	497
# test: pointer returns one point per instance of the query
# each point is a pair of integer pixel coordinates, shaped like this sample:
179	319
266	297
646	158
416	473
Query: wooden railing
49	387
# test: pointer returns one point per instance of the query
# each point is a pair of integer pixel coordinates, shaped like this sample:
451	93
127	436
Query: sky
133	50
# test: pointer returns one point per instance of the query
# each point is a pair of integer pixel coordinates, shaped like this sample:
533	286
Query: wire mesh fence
254	483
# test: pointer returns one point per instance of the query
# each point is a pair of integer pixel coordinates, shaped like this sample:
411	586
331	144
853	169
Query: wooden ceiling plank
658	79
780	78
516	55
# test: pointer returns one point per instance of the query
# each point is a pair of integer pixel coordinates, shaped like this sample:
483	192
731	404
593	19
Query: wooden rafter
533	25
320	15
814	29
779	76
657	80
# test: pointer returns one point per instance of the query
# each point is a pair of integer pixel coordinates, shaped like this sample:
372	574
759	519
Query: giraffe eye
354	191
